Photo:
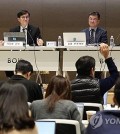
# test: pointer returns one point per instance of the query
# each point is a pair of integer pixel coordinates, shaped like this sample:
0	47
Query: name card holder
51	43
77	43
13	43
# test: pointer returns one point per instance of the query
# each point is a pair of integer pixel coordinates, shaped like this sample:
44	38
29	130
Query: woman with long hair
57	104
14	111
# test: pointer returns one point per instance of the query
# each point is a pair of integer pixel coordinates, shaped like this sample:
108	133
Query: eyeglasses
24	17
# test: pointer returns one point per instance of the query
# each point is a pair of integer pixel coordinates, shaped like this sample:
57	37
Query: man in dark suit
99	35
94	34
23	71
33	35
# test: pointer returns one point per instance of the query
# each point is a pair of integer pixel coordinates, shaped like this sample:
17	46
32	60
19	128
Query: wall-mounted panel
57	16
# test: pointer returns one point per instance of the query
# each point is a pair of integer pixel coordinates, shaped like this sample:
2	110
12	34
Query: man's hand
1	43
39	42
104	50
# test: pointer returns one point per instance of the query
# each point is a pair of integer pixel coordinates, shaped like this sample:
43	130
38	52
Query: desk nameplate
13	44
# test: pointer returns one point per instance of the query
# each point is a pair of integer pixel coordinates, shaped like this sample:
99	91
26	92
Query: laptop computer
46	127
14	37
74	38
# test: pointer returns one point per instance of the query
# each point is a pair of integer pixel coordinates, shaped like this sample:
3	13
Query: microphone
39	75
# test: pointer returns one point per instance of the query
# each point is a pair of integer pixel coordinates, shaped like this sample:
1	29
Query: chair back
90	106
64	126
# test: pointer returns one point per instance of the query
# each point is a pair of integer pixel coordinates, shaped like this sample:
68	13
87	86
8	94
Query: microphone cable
100	59
35	59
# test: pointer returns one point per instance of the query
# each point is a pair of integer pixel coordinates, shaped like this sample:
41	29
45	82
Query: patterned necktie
25	31
92	36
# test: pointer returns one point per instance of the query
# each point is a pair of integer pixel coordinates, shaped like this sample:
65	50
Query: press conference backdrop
57	16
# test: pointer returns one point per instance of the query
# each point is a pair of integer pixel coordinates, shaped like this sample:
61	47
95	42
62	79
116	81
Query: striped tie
92	36
25	31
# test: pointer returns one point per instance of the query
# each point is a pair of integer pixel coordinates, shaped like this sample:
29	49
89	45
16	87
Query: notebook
46	127
14	37
74	38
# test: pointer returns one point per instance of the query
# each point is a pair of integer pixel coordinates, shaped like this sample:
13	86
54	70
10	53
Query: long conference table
45	58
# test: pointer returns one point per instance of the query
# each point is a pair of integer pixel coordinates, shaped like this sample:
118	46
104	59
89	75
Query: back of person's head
24	67
84	65
58	88
13	107
22	12
95	13
117	91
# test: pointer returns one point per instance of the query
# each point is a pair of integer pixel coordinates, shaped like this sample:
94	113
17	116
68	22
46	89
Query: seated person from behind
107	121
57	104
14	111
86	88
95	34
23	72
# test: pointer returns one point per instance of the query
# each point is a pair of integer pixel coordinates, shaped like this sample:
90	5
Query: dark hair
117	91
58	88
84	65
24	67
22	12
13	107
95	13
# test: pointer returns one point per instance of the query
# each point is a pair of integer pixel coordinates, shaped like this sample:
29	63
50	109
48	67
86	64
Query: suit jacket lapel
18	29
87	36
97	35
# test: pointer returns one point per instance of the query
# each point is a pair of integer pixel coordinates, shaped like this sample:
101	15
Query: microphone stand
38	75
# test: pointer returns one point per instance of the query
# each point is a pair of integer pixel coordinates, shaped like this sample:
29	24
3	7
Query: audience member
14	113
86	88
23	72
57	104
107	121
95	34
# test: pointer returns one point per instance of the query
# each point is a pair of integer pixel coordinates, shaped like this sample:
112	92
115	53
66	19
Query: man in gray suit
95	34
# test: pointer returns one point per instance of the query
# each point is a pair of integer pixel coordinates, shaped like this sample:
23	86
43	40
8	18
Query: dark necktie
24	30
92	36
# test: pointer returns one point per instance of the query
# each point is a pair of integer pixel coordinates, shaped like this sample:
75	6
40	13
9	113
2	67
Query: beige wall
57	16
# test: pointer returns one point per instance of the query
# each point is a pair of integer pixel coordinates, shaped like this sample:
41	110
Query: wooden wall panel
113	19
69	15
57	16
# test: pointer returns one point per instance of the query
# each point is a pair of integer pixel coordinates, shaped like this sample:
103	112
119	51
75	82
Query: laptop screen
74	38
46	127
14	37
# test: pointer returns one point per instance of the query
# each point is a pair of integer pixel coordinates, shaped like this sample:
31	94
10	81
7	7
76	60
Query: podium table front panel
70	58
41	60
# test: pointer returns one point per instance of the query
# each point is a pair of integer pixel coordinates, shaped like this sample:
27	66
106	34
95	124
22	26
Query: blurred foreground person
107	121
14	113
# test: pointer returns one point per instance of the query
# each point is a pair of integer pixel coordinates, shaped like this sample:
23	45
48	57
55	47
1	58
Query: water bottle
112	41
59	41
